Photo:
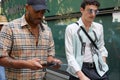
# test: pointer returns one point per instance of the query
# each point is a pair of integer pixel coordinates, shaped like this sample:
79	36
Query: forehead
91	7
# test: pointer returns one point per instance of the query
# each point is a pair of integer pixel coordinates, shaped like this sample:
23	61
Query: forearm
12	63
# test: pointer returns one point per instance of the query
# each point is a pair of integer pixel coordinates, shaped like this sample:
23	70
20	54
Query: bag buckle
91	65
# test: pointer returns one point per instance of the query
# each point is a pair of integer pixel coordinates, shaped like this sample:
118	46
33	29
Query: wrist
80	74
50	59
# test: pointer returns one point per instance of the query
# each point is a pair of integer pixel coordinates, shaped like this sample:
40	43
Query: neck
86	23
32	25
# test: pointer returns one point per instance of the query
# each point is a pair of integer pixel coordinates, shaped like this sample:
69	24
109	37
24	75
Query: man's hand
56	62
82	76
34	64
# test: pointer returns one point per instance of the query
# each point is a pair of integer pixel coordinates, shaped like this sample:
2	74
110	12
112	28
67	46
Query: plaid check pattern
17	35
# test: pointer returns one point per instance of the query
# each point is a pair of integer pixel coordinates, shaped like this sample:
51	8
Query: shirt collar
23	21
82	24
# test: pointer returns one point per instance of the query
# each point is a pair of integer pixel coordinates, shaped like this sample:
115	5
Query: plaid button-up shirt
17	36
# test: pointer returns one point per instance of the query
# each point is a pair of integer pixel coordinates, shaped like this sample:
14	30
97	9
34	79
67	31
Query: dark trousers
90	71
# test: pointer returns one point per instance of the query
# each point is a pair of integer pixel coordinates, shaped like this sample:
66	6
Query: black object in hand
45	65
52	65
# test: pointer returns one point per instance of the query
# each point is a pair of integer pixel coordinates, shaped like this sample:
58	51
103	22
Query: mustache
32	19
39	18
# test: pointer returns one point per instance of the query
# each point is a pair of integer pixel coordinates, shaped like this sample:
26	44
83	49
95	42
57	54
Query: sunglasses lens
97	12
91	11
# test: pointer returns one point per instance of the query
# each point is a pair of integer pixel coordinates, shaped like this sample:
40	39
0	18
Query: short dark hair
89	2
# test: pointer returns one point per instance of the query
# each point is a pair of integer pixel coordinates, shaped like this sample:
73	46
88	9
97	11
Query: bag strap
88	36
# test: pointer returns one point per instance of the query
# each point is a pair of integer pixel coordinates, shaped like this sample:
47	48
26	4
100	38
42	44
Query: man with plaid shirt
26	43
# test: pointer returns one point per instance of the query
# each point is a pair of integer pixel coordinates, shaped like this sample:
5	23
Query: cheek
86	15
39	16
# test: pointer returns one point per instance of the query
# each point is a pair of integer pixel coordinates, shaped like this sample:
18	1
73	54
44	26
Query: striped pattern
24	48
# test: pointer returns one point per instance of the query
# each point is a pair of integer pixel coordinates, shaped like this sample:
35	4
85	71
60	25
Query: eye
41	11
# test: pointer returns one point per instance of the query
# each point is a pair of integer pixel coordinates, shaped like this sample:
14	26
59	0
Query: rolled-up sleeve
5	41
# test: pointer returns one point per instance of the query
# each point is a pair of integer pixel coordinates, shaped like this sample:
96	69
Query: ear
81	10
27	7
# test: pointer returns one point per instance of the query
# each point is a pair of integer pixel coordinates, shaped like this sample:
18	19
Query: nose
41	12
40	15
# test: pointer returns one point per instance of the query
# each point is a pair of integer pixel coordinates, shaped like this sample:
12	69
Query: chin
36	22
91	20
